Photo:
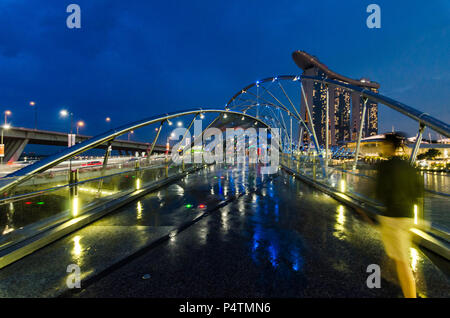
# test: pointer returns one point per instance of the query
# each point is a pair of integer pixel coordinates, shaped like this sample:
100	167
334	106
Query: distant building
345	107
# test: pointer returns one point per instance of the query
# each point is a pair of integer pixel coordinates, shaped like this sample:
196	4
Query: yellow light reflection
75	206
414	258
91	190
415	213
139	210
138	183
77	248
342	185
340	221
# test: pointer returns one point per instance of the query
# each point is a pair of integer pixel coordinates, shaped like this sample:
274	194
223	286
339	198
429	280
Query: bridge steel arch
28	172
423	119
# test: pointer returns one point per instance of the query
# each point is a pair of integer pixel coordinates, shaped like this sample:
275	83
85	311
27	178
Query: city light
342	185
108	119
63	113
7	113
415	213
75	206
32	103
179	124
79	125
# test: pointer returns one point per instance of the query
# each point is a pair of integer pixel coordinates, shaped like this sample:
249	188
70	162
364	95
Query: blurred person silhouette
399	186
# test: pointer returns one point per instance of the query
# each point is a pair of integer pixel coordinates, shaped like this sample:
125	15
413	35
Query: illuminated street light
108	120
5	126
64	113
7	113
202	116
131	132
79	125
33	104
179	124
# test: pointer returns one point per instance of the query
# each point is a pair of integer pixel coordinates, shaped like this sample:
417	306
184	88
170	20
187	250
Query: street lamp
7	113
80	124
64	113
130	133
5	126
179	124
33	104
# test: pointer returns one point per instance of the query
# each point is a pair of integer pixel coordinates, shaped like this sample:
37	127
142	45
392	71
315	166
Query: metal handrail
420	117
18	197
51	161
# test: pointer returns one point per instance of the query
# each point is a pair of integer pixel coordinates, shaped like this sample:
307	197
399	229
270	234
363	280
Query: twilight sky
134	59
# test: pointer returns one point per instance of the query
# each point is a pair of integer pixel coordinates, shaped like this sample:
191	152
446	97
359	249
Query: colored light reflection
40	203
77	248
188	206
138	183
342	185
75	206
28	203
202	206
415	213
139	210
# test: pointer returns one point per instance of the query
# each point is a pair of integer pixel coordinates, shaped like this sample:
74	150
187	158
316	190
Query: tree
429	154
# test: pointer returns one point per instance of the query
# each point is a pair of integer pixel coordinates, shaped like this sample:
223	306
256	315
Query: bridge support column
73	192
105	164
415	150
327	120
15	150
154	141
314	167
361	126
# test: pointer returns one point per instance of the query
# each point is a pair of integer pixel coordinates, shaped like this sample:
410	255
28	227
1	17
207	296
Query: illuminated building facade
345	107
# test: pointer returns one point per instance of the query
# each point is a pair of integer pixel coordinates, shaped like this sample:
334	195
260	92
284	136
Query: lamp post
33	104
80	124
64	113
5	126
7	113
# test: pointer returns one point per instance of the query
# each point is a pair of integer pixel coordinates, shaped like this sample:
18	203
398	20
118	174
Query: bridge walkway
243	235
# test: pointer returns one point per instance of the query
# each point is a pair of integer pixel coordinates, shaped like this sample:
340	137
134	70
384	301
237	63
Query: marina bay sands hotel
345	107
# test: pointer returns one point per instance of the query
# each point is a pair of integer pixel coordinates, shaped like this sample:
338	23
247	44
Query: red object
28	202
202	206
91	163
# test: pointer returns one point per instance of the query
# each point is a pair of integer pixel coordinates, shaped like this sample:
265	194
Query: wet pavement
282	239
262	236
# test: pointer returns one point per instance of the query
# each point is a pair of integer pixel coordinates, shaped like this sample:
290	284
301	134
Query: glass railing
35	206
359	184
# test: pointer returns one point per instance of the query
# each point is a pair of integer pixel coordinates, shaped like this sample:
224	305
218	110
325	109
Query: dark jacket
398	186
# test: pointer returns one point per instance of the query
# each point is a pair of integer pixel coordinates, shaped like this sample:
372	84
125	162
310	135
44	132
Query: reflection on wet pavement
277	238
261	236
